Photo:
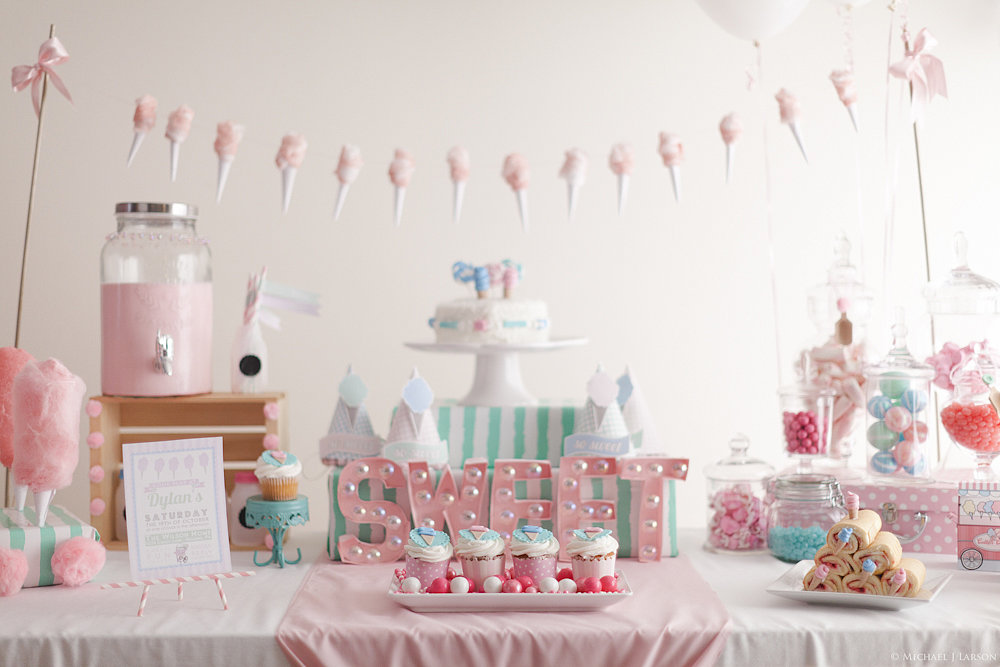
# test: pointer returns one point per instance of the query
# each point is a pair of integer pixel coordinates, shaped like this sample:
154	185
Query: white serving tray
481	602
789	585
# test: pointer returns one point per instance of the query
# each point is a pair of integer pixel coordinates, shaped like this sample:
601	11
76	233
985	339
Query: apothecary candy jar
737	501
803	510
156	303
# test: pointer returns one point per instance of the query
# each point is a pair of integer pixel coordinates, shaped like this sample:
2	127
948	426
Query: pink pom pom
95	439
13	571
271	411
271	441
77	560
96	474
97	507
94	408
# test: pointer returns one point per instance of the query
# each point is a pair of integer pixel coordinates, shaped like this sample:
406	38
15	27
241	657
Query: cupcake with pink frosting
428	553
534	551
481	553
592	553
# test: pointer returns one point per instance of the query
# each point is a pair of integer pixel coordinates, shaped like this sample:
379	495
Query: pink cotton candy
516	171
179	123
13	571
12	360
622	159
843	81
292	151
228	136
78	560
401	168
671	149
788	105
731	128
350	164
145	114
47	402
458	162
574	168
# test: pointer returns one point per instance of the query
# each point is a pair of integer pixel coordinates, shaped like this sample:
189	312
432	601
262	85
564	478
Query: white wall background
679	291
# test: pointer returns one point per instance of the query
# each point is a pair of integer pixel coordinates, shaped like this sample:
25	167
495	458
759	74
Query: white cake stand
497	381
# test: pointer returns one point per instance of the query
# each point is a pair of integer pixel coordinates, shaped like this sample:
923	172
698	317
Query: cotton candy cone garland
178	128
672	154
400	173
791	110
622	162
518	174
347	171
574	170
290	155
142	122
459	167
847	91
731	129
227	139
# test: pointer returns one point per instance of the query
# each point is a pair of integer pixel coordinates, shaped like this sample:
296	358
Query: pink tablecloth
342	616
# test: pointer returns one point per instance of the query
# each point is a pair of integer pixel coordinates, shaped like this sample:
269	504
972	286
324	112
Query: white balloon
753	19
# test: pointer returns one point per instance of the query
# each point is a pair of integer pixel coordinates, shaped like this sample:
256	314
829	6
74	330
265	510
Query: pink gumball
589	585
609	583
906	453
565	573
451	574
530	589
916	432
526	581
898	419
439	585
512	586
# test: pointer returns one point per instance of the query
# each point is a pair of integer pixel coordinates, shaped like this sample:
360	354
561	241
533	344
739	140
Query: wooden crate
238	418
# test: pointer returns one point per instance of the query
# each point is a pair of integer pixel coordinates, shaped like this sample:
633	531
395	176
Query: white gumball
492	585
548	585
410	585
459	585
567	586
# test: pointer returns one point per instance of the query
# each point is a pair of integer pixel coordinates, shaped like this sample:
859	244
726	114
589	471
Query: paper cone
852	109
522	207
341	198
20	496
398	212
224	165
572	191
42	501
794	127
136	142
287	185
730	158
622	192
675	178
456	210
175	155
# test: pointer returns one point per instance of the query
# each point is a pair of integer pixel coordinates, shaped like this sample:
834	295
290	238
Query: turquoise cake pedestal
276	516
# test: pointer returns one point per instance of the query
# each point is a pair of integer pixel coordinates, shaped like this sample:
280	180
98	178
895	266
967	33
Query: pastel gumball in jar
807	422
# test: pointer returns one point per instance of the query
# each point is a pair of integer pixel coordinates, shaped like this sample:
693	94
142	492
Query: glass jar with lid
803	510
806	422
737	492
897	407
156	303
971	417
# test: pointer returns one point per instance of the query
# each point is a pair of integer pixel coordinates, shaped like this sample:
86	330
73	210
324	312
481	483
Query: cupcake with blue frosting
481	553
592	552
428	553
534	551
278	473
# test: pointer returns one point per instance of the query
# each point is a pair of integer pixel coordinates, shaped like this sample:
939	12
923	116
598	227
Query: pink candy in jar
803	433
737	512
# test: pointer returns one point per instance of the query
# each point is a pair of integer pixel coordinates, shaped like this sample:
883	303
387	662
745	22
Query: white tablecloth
57	625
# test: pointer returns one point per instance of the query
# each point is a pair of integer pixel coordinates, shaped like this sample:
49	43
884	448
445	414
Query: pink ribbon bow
924	72
50	54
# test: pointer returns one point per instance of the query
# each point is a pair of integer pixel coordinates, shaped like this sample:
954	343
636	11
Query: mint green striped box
527	432
18	531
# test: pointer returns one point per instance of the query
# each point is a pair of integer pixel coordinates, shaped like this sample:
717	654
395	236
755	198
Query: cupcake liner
425	571
601	566
279	488
537	568
478	569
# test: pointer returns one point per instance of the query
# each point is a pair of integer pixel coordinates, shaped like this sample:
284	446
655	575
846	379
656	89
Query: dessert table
59	626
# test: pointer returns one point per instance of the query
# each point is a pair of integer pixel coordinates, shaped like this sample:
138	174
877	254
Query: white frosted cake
489	319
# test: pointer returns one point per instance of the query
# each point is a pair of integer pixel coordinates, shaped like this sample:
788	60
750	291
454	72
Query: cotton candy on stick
672	153
47	402
731	129
622	162
458	163
791	110
517	174
12	360
847	91
400	173
348	169
574	170
142	122
291	153
178	128
228	136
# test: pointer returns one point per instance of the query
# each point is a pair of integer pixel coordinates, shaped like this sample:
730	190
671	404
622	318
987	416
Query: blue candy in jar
879	405
914	400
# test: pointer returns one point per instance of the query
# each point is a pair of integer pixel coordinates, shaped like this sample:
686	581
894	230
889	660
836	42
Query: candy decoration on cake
428	553
290	155
622	162
228	136
517	174
413	434
822	578
850	535
481	552
592	553
12	360
534	551
924	72
574	170
400	173
142	122
885	551
847	91
178	128
458	165
791	111
350	435
511	277
731	128
47	402
865	581
906	579
348	168
672	154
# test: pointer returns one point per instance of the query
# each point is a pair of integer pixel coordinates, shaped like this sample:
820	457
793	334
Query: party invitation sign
175	502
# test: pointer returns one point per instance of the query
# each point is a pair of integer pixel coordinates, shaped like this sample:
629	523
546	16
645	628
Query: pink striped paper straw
222	594
180	590
142	601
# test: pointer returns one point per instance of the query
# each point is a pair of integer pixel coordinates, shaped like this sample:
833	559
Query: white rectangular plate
480	602
789	585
